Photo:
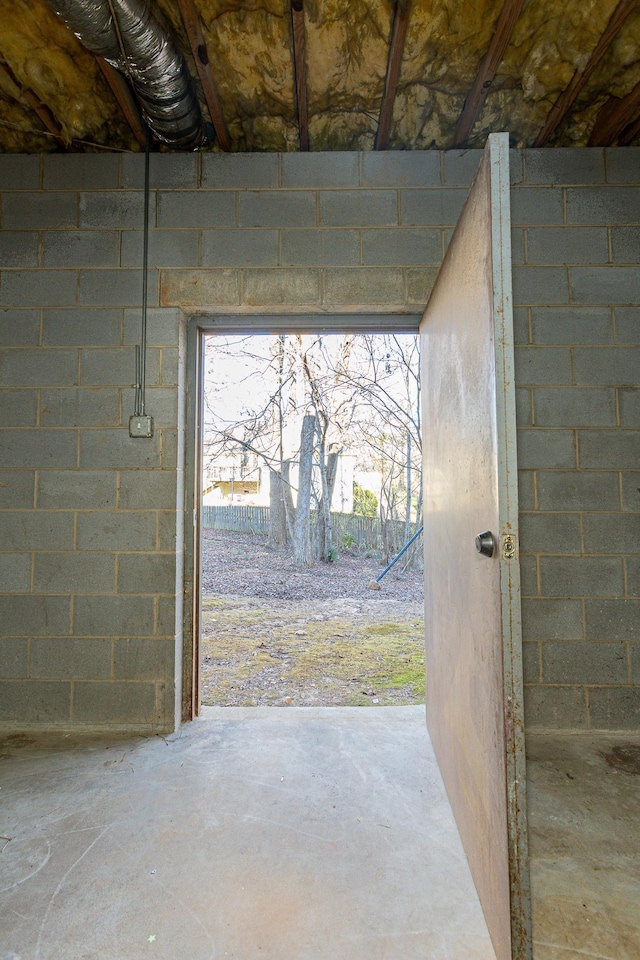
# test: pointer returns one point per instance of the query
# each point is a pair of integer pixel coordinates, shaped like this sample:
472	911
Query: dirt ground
273	634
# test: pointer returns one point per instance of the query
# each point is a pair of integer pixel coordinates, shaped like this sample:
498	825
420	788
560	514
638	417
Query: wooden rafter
566	99
300	71
396	49
487	70
630	134
614	117
193	26
126	100
41	109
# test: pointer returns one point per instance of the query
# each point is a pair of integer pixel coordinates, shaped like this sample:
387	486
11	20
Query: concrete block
19	328
79	408
15	572
80	248
544	619
196	209
167	248
614	708
19	171
170	368
117	531
610	366
419	282
540	285
82	171
18	408
571	325
521	325
625	244
114	703
320	247
575	407
138	659
631	490
537	366
239	171
322	169
31	701
115	449
607	448
584	662
113	365
355	208
401	246
606	285
276	208
122	288
524	408
593	205
400	168
144	489
632	569
77	489
536	205
199	288
80	326
168	623
531	662
528	576
526	500
38	288
567	245
627	324
172	448
241	248
37	530
169	528
14	652
38	448
37	367
517	246
581	576
161	404
634	651
555	707
295	286
147	573
113	616
39	211
354	285
166	170
612	619
74	573
623	164
549	533
564	165
69	658
629	407
16	489
163	326
575	490
117	210
31	616
18	249
611	533
460	166
438	208
538	448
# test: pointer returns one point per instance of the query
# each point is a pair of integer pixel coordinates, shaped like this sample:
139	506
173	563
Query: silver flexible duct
153	62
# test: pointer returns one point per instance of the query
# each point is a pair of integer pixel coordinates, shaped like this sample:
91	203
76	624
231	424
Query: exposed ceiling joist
566	99
487	70
193	26
629	135
300	70
27	96
126	100
396	50
614	117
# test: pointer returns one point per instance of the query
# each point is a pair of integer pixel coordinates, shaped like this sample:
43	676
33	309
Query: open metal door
472	598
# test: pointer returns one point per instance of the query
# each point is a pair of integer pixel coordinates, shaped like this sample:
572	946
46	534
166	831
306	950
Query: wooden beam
566	99
614	117
487	70
300	71
41	109
396	49
193	26
629	134
128	104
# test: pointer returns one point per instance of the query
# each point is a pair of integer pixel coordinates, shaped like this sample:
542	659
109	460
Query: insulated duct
152	61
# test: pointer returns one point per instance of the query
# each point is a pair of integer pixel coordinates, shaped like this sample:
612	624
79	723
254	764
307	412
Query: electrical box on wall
140	426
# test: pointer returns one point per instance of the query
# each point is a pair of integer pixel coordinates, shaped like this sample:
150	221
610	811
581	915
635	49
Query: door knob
485	543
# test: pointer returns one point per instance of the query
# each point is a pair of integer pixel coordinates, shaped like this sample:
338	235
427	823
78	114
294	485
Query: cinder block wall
91	552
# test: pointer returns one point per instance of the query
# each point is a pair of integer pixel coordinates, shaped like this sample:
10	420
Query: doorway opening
310	487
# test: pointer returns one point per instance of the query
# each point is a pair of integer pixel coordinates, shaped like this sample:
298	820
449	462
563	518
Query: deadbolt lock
485	543
508	547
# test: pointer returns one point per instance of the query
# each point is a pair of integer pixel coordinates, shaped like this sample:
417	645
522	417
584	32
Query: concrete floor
288	834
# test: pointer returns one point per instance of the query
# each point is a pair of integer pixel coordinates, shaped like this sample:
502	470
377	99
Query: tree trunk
277	510
328	474
289	509
302	540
